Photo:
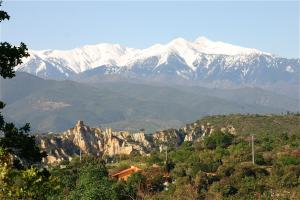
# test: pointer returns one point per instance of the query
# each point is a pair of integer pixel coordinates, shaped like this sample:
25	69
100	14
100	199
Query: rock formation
91	141
106	142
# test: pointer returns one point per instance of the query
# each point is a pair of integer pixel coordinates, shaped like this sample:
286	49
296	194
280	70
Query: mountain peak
216	47
202	39
179	41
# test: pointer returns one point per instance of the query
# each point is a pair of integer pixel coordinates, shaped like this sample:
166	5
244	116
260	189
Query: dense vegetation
218	166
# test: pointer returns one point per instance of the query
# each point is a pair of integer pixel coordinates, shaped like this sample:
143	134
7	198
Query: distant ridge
51	105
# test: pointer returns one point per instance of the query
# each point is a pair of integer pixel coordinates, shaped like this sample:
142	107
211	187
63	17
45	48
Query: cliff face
196	131
93	141
105	142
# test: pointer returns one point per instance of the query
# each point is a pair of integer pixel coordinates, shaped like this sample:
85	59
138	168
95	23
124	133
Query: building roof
131	169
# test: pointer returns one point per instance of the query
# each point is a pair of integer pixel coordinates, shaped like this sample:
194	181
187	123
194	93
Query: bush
259	159
247	171
290	180
229	190
169	165
218	139
179	170
156	184
31	183
154	159
201	181
185	192
261	172
210	166
229	171
136	184
289	160
212	179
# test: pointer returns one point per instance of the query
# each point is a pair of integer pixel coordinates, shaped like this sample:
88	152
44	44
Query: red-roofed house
124	174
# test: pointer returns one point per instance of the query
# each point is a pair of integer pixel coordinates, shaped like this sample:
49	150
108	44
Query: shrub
156	184
201	181
169	165
135	184
247	171
210	166
259	159
179	170
290	180
229	190
218	139
154	159
228	171
289	160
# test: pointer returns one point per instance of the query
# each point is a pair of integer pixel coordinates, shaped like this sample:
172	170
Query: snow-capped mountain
201	59
57	63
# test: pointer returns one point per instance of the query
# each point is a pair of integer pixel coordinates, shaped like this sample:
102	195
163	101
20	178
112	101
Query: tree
136	184
218	139
18	151
32	183
16	141
93	182
10	56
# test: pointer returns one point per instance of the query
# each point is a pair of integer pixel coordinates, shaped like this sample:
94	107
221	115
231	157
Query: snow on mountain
201	59
81	59
207	46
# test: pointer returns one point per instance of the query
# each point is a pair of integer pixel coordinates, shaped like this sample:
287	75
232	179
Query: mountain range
163	86
200	60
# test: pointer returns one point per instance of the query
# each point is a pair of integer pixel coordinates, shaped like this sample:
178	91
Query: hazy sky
268	26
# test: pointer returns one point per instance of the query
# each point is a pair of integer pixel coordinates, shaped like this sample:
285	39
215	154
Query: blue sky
268	26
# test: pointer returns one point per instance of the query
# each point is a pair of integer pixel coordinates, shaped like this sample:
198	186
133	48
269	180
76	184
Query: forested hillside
217	165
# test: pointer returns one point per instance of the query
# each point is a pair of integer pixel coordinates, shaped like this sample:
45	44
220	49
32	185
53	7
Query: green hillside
217	167
256	124
220	166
